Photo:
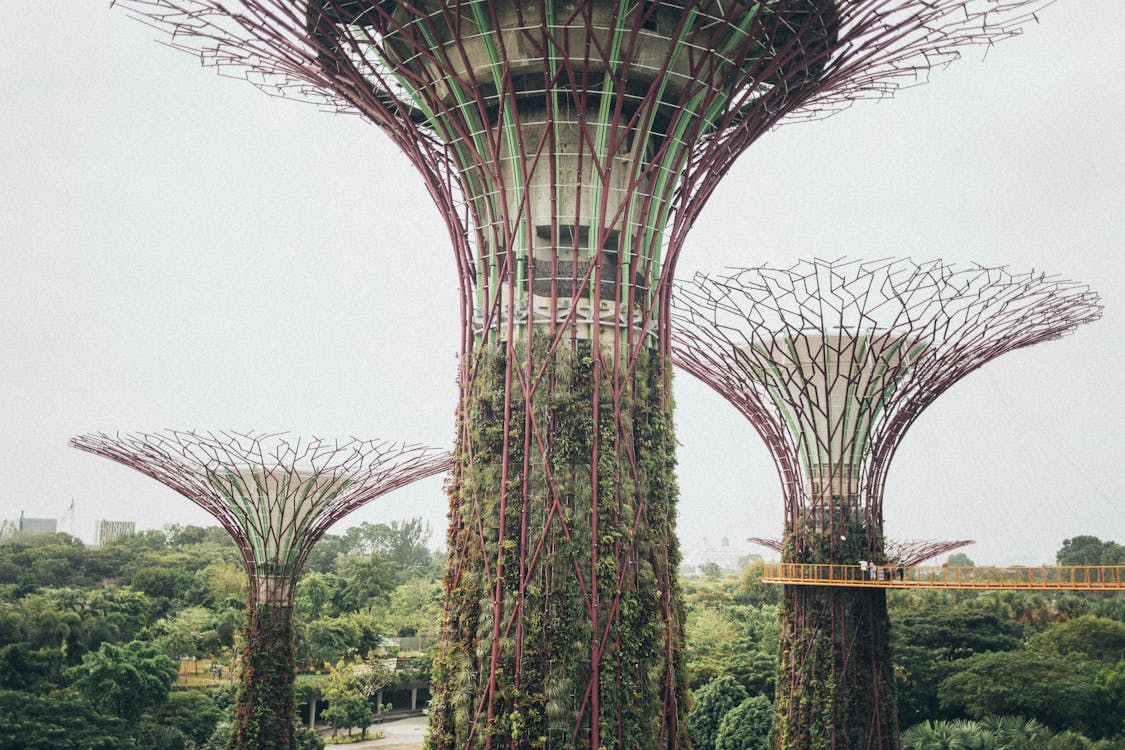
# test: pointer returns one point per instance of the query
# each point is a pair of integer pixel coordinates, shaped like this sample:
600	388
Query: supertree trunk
265	706
835	686
562	551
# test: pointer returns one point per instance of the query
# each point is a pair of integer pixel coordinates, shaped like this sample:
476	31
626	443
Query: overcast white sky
180	250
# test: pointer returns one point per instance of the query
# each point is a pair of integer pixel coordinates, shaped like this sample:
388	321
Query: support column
563	617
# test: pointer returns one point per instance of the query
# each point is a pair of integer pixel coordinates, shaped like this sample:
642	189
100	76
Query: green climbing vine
836	686
265	707
528	544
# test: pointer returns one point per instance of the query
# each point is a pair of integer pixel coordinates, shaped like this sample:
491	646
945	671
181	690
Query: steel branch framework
276	495
569	146
908	552
831	362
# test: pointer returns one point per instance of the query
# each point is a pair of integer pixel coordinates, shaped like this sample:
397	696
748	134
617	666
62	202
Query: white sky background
180	250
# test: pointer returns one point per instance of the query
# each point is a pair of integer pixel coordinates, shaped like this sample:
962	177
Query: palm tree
976	736
934	735
1015	732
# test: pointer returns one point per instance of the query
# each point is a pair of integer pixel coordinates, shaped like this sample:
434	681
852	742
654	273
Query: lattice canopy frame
276	495
832	361
570	145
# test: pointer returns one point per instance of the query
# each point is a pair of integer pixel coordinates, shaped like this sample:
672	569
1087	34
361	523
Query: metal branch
832	361
909	552
275	494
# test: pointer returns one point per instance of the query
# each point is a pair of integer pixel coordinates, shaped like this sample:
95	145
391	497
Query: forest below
121	647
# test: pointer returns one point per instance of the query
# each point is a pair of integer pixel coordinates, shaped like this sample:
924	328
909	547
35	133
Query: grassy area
197	673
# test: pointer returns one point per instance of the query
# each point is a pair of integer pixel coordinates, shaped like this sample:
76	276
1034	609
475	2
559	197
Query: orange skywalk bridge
1042	578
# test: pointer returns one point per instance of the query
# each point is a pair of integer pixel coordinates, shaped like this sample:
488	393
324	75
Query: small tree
747	726
125	680
712	703
1090	550
349	690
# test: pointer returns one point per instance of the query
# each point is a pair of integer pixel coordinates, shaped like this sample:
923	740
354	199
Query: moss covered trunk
265	708
835	690
563	614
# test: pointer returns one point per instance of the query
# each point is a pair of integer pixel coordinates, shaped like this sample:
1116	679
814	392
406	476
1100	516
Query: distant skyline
181	250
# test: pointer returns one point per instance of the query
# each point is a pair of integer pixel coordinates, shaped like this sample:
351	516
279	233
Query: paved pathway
402	734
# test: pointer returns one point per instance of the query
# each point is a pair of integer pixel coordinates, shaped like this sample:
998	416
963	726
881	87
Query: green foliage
747	726
59	721
33	670
401	543
751	590
1089	550
1092	637
526	461
367	580
221	738
265	707
710	569
330	639
732	629
162	737
989	733
943	735
160	582
350	689
929	635
998	682
125	680
193	713
712	702
306	739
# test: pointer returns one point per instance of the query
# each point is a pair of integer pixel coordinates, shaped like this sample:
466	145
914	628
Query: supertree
276	495
569	146
831	362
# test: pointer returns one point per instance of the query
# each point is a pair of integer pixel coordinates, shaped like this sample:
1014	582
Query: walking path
402	734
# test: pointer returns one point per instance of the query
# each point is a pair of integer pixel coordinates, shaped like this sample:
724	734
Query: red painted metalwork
276	523
946	321
906	551
831	362
569	147
276	496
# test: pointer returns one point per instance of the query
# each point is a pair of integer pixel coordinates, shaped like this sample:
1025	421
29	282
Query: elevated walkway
1042	578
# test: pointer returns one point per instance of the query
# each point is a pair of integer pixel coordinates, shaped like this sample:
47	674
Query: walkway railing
1045	577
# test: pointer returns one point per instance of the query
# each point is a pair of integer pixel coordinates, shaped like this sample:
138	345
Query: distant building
111	531
38	525
729	558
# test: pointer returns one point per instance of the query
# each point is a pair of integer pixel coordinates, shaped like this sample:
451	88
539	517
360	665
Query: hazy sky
180	250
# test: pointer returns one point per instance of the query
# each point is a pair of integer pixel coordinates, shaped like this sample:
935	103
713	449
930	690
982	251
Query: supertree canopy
831	362
569	146
276	496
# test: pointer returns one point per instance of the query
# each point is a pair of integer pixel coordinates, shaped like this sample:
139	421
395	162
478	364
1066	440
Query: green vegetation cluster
110	648
972	671
121	646
541	532
838	684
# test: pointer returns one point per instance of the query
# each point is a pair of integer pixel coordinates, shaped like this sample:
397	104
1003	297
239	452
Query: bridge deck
1042	578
